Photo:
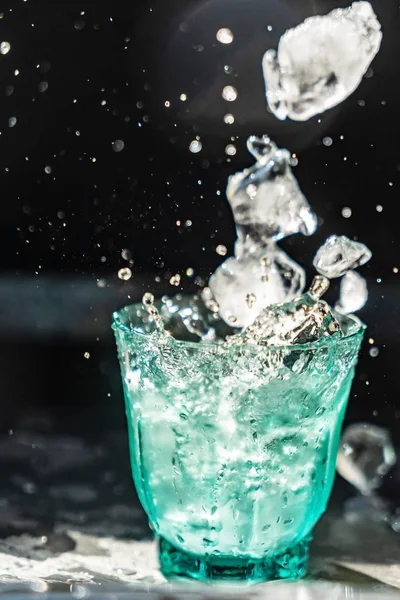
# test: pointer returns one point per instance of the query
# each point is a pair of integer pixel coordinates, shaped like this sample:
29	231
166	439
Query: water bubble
16	72
229	119
183	97
190	272
126	255
346	212
224	36
87	355
43	86
9	90
195	146
79	25
12	121
221	250
118	145
327	141
379	208
229	93
361	102
125	274
395	270
228	69
167	103
101	283
5	47
47	170
230	150
293	160
374	352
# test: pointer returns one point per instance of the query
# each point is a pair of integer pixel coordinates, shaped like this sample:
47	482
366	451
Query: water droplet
183	97
12	121
327	141
221	250
125	274
5	47
228	69
148	299
374	352
230	150
175	280
87	355
167	103
126	255
118	145
229	119
79	25
224	36
395	270
229	93
379	208
346	212
9	90
43	86
47	170
195	146
190	272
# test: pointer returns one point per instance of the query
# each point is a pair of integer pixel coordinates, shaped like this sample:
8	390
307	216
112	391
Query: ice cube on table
321	62
366	454
244	285
304	319
339	254
266	200
353	293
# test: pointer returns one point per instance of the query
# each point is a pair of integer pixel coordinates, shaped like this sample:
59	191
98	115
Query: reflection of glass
233	449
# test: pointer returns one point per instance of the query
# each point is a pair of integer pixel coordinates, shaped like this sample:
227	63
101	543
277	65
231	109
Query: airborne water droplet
118	145
195	146
125	274
229	93
5	47
224	36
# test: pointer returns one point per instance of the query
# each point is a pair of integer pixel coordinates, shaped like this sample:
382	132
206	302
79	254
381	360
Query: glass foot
291	564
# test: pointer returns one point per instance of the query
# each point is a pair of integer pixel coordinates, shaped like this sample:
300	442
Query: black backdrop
81	75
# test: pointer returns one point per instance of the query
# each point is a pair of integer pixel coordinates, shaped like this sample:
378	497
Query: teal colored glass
233	450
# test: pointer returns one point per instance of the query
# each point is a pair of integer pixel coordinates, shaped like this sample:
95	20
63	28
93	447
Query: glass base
291	564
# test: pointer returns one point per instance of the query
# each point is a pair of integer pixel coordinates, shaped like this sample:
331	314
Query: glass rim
117	324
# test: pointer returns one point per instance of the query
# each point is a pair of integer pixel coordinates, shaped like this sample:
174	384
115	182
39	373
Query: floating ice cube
353	293
244	285
266	200
321	62
366	454
305	319
339	255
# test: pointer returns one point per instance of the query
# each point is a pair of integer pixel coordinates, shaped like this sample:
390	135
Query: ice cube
244	285
353	293
266	200
366	454
321	62
339	255
304	319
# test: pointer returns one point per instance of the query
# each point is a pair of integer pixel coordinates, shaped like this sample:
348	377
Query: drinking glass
233	448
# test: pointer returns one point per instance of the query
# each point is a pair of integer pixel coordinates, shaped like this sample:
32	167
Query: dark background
91	73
